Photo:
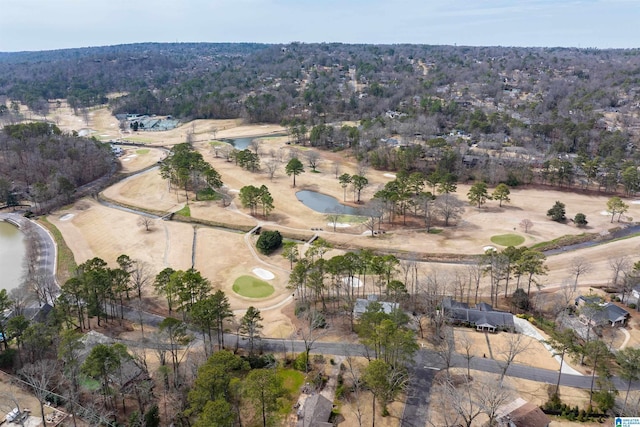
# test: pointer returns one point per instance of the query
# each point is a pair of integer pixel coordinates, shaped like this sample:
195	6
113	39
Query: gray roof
593	299
361	306
315	412
483	306
496	319
609	312
614	313
483	315
448	303
36	314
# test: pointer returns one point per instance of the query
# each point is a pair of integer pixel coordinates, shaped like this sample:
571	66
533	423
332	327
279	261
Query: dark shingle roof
316	411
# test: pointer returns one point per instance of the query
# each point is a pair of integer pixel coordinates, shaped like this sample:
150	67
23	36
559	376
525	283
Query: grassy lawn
563	241
208	194
251	287
139	139
186	211
89	383
351	219
292	381
508	239
439	230
66	262
142	151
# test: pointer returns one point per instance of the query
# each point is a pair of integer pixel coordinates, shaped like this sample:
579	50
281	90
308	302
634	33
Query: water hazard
12	249
325	204
243	143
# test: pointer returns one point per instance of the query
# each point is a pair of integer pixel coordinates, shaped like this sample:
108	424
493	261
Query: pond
240	143
243	143
324	204
12	251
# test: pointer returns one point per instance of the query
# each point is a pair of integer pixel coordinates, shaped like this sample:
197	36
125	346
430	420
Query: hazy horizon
34	25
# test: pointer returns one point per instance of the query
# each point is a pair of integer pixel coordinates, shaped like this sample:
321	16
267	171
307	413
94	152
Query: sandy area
263	274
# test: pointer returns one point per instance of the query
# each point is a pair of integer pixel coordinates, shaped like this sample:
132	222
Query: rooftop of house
522	414
610	311
482	315
315	412
361	305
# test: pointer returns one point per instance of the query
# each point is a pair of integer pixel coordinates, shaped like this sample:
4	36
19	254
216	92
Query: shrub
557	212
300	364
632	306
520	299
7	358
269	241
260	362
300	309
580	220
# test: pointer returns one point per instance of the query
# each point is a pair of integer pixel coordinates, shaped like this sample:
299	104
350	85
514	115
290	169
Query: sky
56	24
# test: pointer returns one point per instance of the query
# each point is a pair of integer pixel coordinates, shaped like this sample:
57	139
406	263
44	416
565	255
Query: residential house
521	413
483	317
130	372
315	412
602	313
361	305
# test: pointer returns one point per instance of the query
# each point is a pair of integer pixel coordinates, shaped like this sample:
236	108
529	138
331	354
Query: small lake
243	143
12	251
324	204
240	143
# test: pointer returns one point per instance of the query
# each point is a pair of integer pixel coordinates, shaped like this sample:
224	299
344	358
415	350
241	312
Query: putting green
508	239
251	287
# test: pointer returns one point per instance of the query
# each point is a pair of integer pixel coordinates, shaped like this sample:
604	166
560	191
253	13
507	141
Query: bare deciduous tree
449	207
579	266
146	222
619	267
227	196
271	167
40	376
355	397
492	397
515	344
337	166
526	224
313	157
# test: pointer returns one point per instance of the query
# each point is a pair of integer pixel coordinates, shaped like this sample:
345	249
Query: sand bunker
263	274
390	175
66	217
605	213
489	248
354	282
339	225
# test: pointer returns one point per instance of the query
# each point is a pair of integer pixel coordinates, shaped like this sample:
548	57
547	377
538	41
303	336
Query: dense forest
39	163
491	113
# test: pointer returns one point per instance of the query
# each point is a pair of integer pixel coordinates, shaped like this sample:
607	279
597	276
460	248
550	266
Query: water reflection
325	204
12	249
